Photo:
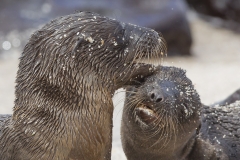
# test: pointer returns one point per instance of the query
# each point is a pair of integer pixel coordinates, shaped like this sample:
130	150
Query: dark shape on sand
230	99
228	10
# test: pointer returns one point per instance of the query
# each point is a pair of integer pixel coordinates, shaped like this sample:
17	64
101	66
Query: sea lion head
161	114
85	43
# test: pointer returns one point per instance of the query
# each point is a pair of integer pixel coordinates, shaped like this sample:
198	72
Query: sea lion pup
161	117
67	75
161	121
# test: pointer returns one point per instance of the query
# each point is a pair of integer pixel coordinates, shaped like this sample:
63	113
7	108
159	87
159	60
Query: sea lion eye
120	38
122	32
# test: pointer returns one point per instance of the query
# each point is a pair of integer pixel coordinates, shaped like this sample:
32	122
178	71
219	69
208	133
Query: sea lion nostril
155	97
159	99
152	96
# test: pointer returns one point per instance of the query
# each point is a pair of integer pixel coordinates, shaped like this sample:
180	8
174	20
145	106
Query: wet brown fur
67	75
172	134
198	132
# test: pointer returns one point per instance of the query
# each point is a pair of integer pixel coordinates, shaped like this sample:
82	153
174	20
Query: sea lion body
67	75
219	136
162	121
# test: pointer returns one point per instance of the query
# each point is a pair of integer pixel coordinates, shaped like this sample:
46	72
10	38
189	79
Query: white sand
214	69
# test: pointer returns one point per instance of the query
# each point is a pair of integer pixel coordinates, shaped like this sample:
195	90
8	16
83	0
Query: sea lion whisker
131	103
134	102
174	132
168	130
119	112
163	135
159	122
119	101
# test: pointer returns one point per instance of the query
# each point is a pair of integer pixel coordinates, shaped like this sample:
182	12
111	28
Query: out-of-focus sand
214	69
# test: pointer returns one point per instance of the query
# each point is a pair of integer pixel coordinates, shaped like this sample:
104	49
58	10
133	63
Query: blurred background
203	37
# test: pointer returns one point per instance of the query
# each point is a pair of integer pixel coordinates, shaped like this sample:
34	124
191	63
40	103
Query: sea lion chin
158	115
67	75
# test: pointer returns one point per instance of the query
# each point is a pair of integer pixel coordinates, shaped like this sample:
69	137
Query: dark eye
120	39
121	32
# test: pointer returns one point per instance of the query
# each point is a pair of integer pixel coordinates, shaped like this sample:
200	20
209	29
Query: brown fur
67	75
171	135
174	130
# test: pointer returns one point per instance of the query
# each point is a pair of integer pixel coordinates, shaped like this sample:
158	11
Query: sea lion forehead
167	73
81	20
134	29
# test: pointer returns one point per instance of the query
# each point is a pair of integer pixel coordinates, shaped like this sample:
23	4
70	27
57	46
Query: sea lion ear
77	44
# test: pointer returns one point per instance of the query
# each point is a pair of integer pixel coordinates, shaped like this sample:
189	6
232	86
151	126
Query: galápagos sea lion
161	120
67	75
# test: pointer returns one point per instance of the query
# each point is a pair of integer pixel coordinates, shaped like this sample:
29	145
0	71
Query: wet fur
207	133
171	135
67	75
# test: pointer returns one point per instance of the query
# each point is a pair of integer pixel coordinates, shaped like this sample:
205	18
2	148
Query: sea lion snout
156	96
160	93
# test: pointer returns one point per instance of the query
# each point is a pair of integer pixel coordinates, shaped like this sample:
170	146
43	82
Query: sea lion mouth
146	114
147	61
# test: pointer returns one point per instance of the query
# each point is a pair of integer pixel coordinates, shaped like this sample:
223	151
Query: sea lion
67	75
164	119
161	117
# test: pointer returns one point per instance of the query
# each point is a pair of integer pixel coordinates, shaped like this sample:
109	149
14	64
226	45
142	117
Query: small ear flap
78	43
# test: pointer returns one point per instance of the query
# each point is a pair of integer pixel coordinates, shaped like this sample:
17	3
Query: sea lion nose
156	96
